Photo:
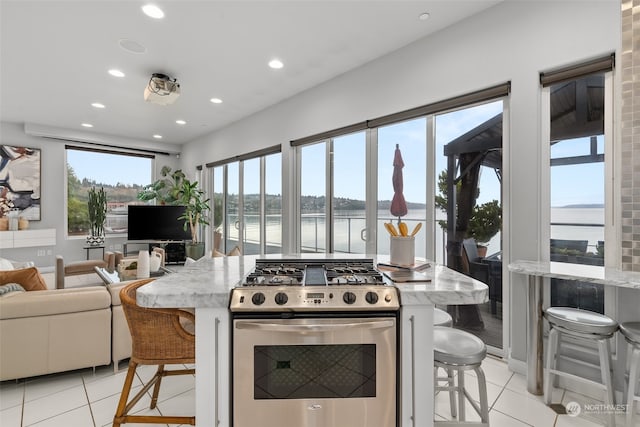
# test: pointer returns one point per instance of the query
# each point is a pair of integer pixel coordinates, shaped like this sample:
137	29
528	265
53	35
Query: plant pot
482	251
4	224
95	240
194	250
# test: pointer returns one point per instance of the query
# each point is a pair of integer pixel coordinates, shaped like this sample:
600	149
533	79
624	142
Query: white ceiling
55	56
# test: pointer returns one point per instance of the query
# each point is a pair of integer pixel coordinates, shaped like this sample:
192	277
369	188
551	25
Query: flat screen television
150	222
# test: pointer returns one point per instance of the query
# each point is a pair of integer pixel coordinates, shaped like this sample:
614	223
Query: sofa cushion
114	290
10	287
55	301
29	278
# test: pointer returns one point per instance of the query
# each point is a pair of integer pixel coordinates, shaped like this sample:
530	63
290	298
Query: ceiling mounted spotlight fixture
161	89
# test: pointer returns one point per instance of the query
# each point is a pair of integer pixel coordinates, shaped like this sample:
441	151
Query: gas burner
313	272
273	280
351	279
314	285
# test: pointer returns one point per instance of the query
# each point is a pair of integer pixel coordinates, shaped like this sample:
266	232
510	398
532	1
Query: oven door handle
317	328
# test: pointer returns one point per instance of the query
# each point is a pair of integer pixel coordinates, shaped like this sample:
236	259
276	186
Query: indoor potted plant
485	221
97	208
195	214
165	190
217	221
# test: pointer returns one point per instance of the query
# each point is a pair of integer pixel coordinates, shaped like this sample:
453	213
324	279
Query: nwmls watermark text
574	408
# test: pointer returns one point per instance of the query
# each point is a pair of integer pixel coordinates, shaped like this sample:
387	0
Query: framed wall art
20	180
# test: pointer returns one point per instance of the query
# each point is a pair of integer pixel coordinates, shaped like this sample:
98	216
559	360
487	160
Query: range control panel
332	298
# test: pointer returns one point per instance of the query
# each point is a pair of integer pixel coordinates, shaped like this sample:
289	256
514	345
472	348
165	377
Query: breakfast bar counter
536	272
207	284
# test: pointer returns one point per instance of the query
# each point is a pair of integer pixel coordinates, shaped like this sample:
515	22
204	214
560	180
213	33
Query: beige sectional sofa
48	331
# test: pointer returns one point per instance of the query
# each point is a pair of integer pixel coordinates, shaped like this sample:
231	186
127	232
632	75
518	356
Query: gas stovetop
306	285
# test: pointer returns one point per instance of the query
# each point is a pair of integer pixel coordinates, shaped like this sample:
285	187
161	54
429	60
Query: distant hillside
583	206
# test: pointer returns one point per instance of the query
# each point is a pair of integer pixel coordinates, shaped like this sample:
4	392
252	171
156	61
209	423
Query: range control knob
349	297
371	297
281	298
258	298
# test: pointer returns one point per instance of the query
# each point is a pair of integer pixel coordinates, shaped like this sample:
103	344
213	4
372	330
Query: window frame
80	147
211	189
611	176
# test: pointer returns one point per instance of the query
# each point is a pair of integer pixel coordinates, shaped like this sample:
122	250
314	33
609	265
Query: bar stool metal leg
605	371
484	401
461	411
634	372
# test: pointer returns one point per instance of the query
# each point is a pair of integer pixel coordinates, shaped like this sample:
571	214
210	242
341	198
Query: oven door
314	372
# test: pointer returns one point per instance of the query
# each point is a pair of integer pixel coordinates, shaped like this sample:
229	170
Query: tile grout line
86	393
24	394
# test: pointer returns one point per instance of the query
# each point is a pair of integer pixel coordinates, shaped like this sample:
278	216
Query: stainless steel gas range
315	343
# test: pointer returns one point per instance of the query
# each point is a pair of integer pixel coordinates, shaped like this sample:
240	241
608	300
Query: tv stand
173	249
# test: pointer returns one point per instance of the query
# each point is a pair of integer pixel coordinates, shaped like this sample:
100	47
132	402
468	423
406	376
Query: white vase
154	262
143	265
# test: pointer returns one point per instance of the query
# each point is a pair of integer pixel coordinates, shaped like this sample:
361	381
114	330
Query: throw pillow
5	264
29	278
10	287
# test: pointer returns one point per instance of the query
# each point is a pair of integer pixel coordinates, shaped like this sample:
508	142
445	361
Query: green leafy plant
486	219
97	207
196	207
217	211
166	190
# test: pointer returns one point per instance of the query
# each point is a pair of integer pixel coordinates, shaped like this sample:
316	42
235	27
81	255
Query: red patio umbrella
398	204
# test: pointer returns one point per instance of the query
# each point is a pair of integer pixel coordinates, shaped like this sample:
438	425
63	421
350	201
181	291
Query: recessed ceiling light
132	46
276	64
181	122
153	11
97	105
424	16
216	100
116	73
87	125
156	136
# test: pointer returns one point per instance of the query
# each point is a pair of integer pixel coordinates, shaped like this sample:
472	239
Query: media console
173	249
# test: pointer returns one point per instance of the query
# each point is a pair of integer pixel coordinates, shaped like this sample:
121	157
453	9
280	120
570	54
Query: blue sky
570	184
110	168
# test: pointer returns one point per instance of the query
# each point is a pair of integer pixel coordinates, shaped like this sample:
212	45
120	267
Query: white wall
53	181
512	41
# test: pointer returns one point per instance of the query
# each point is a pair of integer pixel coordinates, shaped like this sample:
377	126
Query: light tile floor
87	399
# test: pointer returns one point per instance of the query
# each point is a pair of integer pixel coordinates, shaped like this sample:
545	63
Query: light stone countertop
208	283
583	273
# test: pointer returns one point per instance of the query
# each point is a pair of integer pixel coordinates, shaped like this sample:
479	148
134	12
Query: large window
410	138
332	211
90	168
347	188
247	204
577	185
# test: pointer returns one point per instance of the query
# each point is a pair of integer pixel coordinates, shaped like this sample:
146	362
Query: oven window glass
314	371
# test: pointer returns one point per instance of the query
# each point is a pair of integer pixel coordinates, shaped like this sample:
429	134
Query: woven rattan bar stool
586	326
461	351
158	338
631	332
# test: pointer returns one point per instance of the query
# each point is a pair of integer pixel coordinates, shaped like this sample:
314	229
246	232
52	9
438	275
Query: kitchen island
206	286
